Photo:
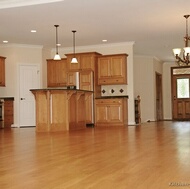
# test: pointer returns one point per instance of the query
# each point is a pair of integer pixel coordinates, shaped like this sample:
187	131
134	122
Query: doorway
29	79
180	80
159	101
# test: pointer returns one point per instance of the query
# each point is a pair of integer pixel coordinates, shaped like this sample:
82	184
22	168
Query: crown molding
20	46
130	43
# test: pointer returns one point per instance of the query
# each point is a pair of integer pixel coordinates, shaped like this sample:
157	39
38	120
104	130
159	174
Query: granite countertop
63	89
7	98
106	97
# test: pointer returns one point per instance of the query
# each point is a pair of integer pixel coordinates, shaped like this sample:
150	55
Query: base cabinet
60	110
111	112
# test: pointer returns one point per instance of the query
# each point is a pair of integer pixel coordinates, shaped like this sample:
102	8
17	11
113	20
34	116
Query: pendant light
57	57
74	59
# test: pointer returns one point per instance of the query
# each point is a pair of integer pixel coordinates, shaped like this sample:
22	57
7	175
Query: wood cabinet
86	61
86	80
8	113
56	73
2	71
112	69
60	109
111	112
77	114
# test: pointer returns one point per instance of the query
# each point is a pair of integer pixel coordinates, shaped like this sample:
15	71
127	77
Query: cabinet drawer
109	101
8	119
8	103
110	80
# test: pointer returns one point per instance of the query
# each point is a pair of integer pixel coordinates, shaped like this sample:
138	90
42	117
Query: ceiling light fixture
57	57
186	50
74	59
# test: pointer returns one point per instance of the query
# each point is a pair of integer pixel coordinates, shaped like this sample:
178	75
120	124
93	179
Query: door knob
22	98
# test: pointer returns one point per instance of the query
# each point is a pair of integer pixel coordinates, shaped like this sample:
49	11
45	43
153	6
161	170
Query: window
183	88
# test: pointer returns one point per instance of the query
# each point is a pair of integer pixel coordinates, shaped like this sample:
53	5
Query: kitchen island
60	109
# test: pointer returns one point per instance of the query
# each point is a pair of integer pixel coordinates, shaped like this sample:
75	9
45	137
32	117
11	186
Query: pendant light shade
56	57
74	59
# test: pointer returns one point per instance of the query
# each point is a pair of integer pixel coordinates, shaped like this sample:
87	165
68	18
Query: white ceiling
156	26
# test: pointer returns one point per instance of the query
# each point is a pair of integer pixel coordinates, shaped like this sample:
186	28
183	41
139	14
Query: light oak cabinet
56	73
86	61
112	69
60	109
77	114
111	112
2	71
86	80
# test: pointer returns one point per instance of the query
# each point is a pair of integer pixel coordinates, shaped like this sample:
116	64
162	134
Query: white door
29	79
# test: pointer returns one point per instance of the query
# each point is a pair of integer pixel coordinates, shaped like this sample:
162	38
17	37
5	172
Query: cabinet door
86	80
103	67
71	79
87	62
89	108
8	113
115	113
81	111
2	71
51	73
61	72
117	68
56	73
101	113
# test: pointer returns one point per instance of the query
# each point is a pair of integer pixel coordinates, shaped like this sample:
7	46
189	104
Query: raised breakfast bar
62	109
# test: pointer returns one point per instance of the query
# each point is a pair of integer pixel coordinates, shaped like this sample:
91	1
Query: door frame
160	98
172	89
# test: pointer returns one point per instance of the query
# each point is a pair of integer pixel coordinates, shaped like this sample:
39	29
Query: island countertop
109	97
59	89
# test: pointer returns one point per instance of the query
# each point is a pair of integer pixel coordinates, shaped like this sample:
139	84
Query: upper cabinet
2	71
112	69
56	73
86	61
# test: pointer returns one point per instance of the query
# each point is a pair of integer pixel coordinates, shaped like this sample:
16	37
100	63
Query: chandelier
184	61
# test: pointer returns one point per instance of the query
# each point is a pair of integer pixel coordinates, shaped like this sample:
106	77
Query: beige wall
18	55
167	90
144	81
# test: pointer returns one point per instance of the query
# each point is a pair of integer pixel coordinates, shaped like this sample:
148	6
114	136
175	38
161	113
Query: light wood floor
150	156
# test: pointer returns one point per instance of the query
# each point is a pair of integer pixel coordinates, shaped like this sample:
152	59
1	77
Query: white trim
129	43
21	45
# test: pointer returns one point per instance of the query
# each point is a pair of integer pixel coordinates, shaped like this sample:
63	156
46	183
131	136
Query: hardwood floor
150	156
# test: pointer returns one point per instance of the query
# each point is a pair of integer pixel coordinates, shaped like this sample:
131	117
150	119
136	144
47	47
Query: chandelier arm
179	59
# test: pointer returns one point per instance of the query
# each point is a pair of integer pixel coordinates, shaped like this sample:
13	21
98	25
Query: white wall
144	81
167	99
17	55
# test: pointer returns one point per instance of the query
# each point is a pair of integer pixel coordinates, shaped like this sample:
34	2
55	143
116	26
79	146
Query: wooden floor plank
154	155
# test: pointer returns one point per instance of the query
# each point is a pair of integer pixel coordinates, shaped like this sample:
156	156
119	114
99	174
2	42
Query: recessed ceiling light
104	40
33	31
5	41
